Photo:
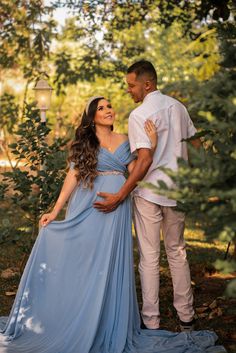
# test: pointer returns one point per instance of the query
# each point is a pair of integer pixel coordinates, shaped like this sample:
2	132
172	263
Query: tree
32	188
26	31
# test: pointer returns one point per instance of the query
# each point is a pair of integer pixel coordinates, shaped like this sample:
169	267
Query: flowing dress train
77	293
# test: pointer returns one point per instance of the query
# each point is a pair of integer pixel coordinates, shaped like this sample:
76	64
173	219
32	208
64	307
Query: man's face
136	87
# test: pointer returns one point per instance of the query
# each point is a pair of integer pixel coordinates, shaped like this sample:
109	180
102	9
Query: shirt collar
151	94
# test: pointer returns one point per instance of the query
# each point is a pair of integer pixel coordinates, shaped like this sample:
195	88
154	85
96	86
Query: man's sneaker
187	326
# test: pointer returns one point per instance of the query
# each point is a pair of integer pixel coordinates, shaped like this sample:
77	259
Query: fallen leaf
10	294
215	313
222	298
202	315
213	305
9	273
202	309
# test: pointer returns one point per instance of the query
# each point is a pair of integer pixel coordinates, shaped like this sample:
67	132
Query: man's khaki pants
149	219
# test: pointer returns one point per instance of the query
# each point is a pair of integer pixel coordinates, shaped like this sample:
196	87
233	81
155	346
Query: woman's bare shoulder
121	137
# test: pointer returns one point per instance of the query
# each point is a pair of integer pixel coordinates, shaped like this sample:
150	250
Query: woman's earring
93	125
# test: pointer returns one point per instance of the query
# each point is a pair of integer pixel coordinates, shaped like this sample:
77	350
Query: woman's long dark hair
84	149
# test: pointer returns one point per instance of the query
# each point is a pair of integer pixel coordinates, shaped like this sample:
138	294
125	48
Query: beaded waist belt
110	172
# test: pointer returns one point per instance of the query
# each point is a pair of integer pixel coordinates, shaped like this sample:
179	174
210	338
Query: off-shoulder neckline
113	152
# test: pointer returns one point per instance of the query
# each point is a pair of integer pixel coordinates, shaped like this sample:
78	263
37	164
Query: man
152	212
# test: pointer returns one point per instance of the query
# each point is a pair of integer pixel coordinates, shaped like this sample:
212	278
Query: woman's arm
151	131
67	188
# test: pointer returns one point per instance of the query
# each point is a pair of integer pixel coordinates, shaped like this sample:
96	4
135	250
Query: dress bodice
115	161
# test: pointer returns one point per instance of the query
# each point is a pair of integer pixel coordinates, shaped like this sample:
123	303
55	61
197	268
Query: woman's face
105	114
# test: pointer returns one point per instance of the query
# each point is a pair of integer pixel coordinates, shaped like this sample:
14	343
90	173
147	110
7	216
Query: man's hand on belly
111	202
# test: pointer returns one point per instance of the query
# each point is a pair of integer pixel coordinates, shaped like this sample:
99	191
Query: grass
209	286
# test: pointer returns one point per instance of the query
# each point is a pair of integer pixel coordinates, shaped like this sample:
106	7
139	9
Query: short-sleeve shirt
173	125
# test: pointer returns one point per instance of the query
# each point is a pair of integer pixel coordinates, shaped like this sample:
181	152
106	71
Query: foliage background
192	46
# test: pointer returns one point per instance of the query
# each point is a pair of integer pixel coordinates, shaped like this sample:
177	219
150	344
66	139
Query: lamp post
43	94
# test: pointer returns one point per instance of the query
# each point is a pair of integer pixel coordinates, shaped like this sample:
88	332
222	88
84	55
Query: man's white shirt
173	124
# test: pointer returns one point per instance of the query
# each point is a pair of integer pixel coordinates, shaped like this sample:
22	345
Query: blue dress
77	293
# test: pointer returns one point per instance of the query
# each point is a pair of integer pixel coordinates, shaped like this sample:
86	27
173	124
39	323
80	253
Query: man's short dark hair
143	67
